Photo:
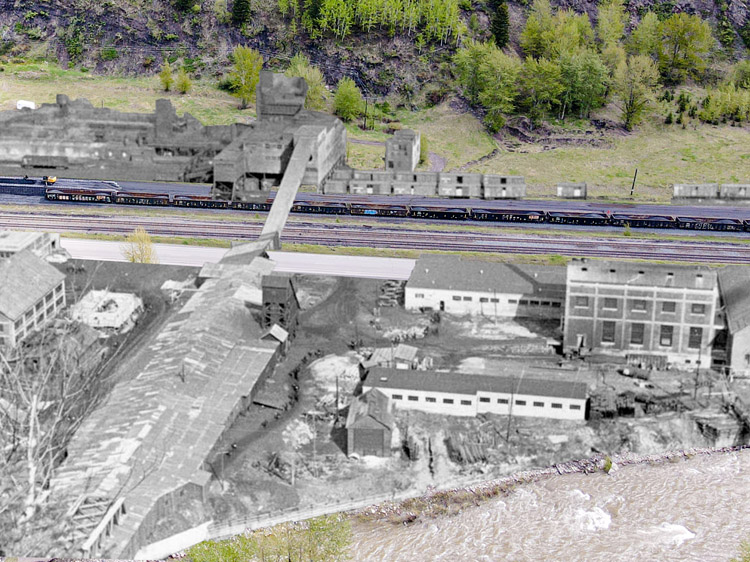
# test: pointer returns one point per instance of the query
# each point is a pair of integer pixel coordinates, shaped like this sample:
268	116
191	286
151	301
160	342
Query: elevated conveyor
290	183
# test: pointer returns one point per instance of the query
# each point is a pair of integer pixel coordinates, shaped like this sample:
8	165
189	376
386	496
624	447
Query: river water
696	509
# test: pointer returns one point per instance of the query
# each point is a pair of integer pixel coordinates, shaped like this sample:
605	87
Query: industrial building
648	313
40	243
32	293
401	356
458	394
734	340
713	193
369	425
457	285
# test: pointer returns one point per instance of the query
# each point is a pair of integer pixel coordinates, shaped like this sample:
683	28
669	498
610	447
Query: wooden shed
369	425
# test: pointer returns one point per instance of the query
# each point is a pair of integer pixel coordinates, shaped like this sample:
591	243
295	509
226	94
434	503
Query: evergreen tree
184	5
500	25
240	11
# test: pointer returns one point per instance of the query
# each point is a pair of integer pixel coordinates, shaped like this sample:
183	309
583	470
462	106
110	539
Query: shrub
669	119
109	53
183	83
165	76
424	150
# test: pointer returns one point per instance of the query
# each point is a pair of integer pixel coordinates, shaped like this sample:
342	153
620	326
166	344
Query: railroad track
397	238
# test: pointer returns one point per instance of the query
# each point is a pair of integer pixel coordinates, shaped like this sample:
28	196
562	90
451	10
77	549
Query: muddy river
696	509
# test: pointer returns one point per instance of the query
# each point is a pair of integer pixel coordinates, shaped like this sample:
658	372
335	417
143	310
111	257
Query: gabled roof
24	279
276	332
373	404
734	283
401	352
459	383
457	273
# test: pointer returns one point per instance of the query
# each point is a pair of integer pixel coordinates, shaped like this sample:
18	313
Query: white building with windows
456	285
31	293
41	243
458	394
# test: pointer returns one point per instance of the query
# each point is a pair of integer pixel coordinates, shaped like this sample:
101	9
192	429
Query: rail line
395	238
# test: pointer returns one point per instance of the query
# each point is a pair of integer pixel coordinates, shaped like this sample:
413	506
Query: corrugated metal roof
734	282
642	274
459	383
24	279
457	273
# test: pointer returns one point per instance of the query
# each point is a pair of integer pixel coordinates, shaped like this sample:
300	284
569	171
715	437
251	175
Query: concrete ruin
402	151
286	140
571	190
426	184
712	193
108	312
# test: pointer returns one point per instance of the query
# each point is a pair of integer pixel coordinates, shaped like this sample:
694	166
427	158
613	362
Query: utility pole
632	187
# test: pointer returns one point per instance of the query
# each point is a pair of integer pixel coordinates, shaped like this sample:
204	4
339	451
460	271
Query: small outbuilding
103	310
369	425
571	190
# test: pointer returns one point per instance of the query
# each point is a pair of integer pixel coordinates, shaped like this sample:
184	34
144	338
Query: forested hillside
521	58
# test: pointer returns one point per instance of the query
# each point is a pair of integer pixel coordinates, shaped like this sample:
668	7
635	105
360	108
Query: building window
510	301
468	298
534	303
636	334
556	406
608	332
483	299
430	399
465	402
697	308
520	402
539	404
546	303
456	298
610	303
502	400
413	398
523	302
398	396
418	295
484	399
582	301
665	337
639	305
48	298
575	406
668	306
556	305
447	400
695	339
18	323
59	301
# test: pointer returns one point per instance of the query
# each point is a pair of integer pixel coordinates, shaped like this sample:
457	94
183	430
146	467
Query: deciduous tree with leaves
635	83
245	74
347	103
317	93
139	248
165	76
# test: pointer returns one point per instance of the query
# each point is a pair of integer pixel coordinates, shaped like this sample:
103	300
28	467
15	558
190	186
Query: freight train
402	210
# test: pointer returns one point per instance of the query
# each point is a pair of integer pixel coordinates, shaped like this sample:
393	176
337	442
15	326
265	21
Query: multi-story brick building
31	293
649	313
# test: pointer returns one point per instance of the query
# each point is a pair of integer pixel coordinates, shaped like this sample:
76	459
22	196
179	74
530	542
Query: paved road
287	262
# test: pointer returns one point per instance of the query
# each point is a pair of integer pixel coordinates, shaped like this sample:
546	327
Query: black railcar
332	208
135	198
578	217
373	209
703	223
251	205
507	215
199	201
442	213
643	221
79	195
